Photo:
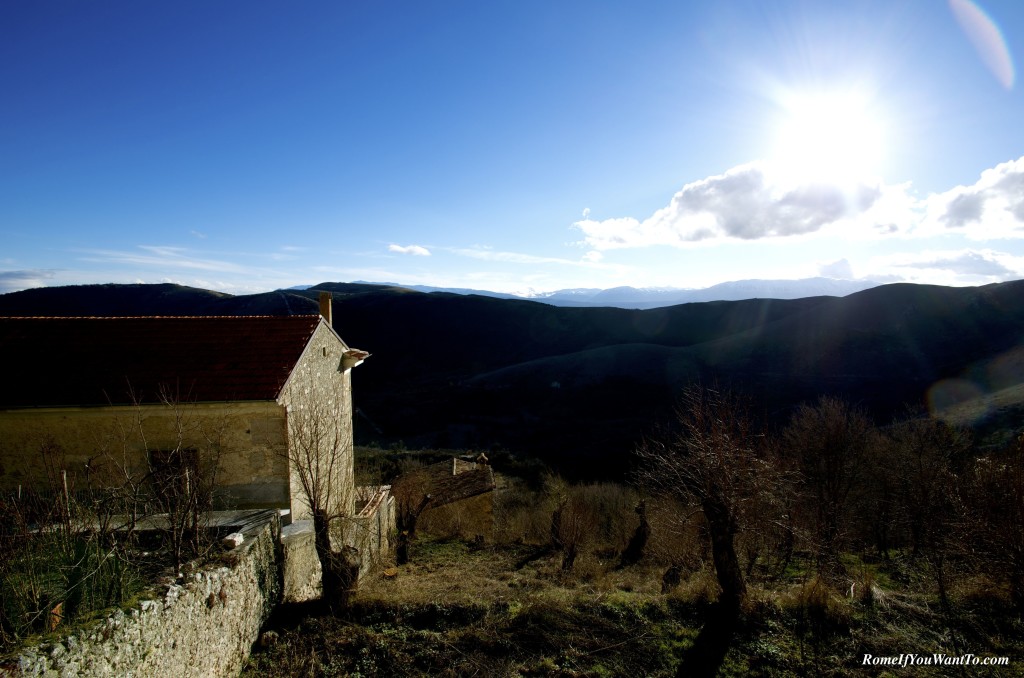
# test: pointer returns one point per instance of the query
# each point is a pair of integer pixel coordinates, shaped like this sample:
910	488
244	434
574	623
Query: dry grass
509	610
457	572
506	607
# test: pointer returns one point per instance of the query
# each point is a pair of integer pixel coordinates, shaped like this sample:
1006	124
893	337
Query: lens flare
959	399
987	39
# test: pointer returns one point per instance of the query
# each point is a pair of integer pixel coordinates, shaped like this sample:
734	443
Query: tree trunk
556	526
722	530
340	569
403	548
635	549
407	517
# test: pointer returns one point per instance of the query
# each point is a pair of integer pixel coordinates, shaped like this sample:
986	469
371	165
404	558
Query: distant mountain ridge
657	297
580	386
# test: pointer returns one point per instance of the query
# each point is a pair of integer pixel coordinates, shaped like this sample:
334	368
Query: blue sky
511	146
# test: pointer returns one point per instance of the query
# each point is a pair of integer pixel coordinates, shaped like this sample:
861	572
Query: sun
833	137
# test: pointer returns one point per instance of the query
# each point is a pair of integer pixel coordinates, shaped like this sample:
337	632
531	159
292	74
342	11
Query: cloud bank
748	202
951	266
12	281
751	202
991	208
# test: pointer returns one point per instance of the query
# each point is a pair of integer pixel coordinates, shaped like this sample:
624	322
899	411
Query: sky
510	146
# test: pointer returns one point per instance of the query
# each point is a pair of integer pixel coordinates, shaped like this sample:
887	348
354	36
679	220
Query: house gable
317	398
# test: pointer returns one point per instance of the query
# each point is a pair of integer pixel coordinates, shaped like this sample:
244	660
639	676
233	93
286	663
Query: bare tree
412	495
573	527
156	461
182	475
78	528
996	515
320	455
829	443
924	456
634	550
712	459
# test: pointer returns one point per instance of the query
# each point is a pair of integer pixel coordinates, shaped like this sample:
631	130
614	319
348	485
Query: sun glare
830	137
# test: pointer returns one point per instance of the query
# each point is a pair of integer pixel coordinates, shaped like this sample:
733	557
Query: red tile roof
49	362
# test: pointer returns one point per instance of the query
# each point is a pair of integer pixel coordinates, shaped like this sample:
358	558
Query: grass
497	610
509	610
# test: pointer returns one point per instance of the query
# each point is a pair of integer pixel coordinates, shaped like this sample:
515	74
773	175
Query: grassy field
493	593
509	610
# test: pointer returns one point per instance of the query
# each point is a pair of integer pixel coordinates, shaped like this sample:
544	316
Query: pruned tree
573	527
711	459
412	495
320	456
634	550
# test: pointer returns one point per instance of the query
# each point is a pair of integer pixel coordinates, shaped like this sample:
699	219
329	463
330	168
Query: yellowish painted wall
247	442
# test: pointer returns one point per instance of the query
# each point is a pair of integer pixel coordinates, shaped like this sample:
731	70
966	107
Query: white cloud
12	281
487	254
591	259
750	202
991	208
953	267
162	256
840	270
415	250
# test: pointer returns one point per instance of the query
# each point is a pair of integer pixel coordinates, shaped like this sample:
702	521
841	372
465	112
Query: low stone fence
375	525
370	531
204	624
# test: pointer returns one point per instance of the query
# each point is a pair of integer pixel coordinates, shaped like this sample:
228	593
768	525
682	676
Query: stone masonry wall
203	626
318	400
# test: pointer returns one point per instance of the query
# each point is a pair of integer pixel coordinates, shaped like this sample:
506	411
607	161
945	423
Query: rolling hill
579	386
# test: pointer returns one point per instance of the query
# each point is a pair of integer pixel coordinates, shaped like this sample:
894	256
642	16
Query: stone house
104	401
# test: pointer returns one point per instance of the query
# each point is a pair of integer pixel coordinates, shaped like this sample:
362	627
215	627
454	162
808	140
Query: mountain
580	386
448	290
158	299
656	297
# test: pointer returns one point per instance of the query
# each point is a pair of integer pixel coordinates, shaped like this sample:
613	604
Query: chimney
325	307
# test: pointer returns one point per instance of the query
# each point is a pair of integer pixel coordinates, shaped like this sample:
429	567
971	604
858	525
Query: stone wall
203	625
371	532
375	527
301	567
